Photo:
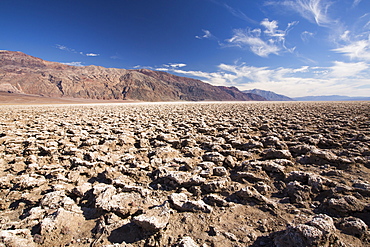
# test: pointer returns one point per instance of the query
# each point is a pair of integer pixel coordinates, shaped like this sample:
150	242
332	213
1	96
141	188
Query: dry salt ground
185	174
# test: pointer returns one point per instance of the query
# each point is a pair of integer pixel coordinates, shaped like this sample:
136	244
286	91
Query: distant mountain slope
269	95
331	98
24	74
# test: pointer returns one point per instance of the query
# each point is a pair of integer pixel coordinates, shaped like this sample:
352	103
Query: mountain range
269	95
331	98
24	74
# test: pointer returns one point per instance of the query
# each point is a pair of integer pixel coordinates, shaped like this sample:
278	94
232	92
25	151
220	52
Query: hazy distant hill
269	95
24	74
331	98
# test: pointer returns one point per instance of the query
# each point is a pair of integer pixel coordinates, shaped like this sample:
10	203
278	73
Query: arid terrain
185	174
29	99
24	74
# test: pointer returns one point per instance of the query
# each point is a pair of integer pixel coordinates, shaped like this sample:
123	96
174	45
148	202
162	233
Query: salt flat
185	174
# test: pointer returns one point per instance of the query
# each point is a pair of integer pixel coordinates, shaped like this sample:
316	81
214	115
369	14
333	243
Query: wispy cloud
345	70
356	50
163	67
171	66
316	11
355	3
175	65
253	40
306	36
143	67
92	54
355	46
352	79
353	41
207	35
262	43
79	64
235	12
116	56
65	48
239	14
345	36
271	29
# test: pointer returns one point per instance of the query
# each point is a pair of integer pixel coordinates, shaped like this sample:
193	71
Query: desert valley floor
185	174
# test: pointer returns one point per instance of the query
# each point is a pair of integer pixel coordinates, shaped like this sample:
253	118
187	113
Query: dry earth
30	99
189	174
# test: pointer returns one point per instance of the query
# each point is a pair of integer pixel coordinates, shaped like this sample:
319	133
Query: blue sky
291	47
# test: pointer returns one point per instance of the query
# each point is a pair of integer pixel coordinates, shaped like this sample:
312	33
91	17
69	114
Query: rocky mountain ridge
331	98
269	95
21	73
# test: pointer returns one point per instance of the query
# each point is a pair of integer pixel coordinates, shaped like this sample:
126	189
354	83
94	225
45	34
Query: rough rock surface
320	231
154	219
185	174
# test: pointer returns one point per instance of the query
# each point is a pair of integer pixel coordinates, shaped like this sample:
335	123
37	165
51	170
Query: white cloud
143	67
61	47
356	50
92	54
164	67
344	70
271	28
345	35
116	56
169	66
235	12
367	25
238	13
315	11
253	40
305	36
176	65
215	78
271	42
65	48
207	35
74	64
355	3
352	79
354	41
